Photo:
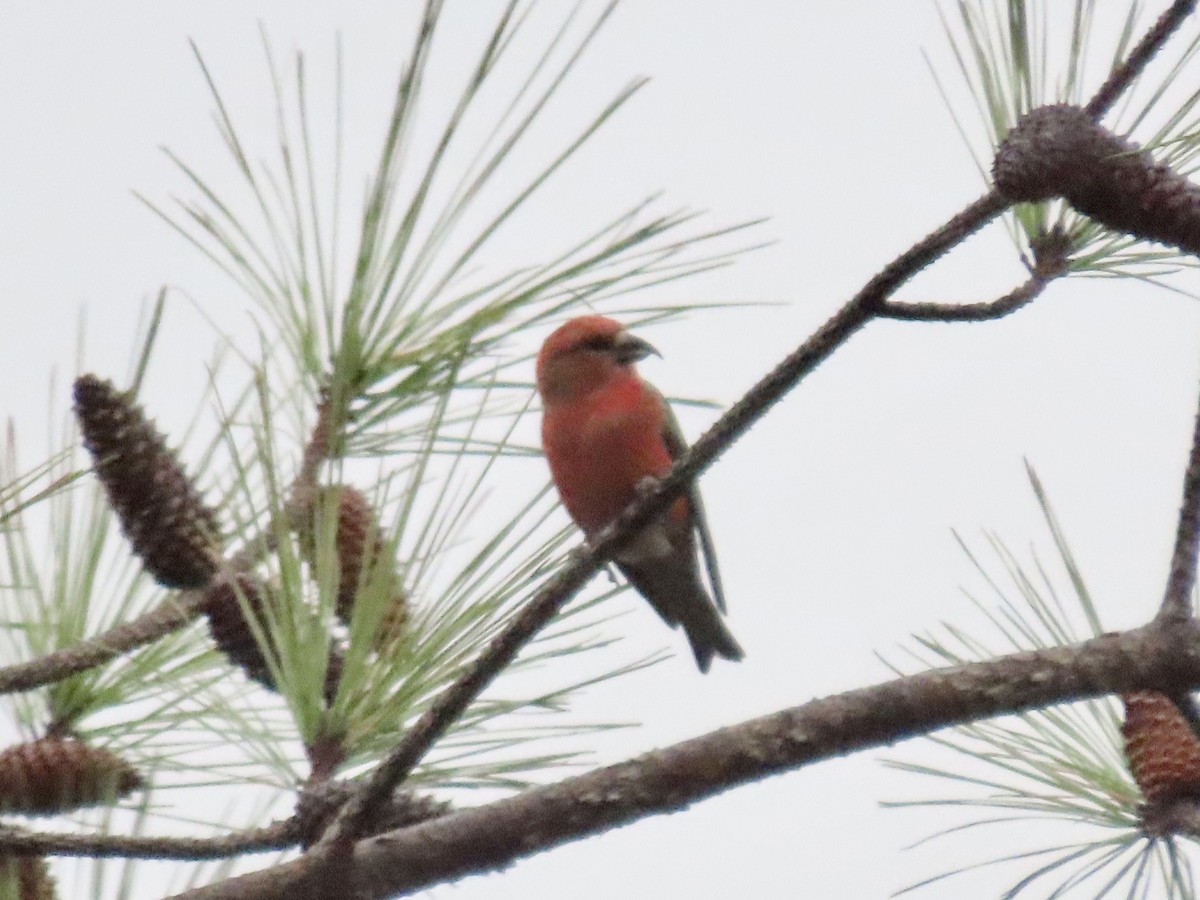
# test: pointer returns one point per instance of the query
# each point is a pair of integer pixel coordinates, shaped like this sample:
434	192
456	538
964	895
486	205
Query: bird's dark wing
677	446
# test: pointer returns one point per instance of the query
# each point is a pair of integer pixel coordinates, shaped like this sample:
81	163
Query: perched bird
604	430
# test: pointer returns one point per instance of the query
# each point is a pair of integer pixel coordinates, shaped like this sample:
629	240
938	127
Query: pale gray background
833	516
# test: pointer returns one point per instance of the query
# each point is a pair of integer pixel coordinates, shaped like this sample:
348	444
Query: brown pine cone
231	631
360	549
1162	749
56	775
1058	151
160	510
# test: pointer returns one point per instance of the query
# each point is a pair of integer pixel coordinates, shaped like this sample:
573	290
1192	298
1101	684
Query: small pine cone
320	801
231	631
57	775
1162	749
234	637
1058	151
160	510
359	543
26	878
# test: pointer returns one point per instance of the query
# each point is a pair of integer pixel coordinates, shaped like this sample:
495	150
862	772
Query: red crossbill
604	430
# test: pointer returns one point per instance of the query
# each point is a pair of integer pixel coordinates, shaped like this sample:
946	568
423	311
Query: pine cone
231	631
160	510
1058	151
360	548
26	878
1162	749
232	634
320	801
57	775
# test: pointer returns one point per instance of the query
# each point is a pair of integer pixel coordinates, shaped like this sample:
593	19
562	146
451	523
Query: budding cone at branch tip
55	775
360	549
1058	151
234	637
320	801
1162	749
160	510
26	878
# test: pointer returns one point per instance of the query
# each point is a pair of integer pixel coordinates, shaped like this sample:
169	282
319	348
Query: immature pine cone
1162	749
160	510
57	775
360	548
26	878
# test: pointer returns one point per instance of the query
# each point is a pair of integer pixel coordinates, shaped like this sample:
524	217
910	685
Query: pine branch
589	559
172	614
278	835
1177	598
668	780
178	609
1052	262
870	302
1123	76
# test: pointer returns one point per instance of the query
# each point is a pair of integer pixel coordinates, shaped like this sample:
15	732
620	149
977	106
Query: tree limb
1163	656
1121	77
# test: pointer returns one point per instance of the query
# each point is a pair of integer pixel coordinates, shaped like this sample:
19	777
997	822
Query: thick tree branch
1121	77
1177	598
1164	656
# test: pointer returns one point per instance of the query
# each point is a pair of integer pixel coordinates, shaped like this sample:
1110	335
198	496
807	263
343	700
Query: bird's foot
646	486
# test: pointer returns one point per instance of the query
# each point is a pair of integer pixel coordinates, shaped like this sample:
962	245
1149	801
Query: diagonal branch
1124	75
589	559
1177	598
490	837
170	615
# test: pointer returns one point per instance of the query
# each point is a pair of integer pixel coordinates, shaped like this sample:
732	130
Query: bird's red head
586	353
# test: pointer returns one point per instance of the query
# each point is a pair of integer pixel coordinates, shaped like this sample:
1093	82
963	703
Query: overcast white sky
833	516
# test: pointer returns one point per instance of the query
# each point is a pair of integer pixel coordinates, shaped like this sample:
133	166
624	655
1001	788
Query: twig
965	312
1123	76
1051	260
279	835
1177	598
669	780
172	614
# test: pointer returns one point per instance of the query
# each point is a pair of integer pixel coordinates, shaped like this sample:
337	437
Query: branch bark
1163	656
